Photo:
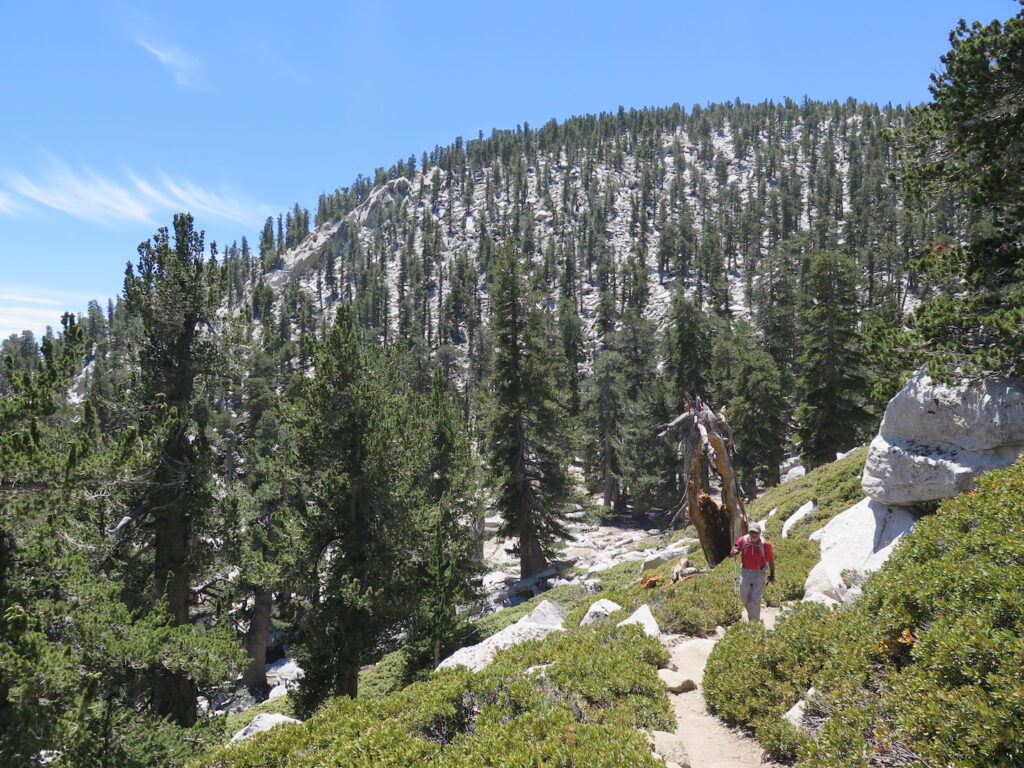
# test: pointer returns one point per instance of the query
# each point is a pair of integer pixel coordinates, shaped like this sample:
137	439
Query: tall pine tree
526	441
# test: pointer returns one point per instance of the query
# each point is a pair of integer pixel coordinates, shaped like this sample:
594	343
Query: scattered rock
675	682
277	692
547	614
806	509
795	714
545	619
793	474
858	540
645	619
651	562
283	671
602	609
667	746
936	438
263	722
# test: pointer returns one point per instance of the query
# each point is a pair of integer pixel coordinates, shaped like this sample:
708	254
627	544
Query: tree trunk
174	694
531	556
255	676
716	529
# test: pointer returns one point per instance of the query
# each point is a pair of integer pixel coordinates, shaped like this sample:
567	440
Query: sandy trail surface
707	740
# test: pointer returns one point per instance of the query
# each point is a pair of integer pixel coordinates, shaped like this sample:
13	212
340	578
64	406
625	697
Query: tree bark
255	675
531	556
174	694
699	428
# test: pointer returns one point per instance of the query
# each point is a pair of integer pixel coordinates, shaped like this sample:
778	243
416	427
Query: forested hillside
297	441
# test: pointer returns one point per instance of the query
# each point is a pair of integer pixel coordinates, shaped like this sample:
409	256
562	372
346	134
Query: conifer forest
294	441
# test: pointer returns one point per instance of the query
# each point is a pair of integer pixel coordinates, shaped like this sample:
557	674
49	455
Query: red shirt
750	554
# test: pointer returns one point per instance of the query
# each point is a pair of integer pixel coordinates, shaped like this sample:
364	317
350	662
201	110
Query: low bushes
698	605
923	670
574	700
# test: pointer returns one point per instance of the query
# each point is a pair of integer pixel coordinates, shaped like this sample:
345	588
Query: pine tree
689	349
967	141
833	385
526	442
758	412
74	657
449	557
359	443
604	405
172	293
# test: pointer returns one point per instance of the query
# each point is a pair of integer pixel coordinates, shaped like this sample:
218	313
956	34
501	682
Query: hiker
755	555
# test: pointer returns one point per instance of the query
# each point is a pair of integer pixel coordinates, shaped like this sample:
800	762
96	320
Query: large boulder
936	438
657	560
263	722
545	619
806	509
669	748
854	543
643	618
601	609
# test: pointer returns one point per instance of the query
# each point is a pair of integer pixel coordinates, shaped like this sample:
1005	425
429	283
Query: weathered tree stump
705	436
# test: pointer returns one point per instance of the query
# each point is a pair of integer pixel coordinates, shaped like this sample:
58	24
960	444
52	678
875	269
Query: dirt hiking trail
706	739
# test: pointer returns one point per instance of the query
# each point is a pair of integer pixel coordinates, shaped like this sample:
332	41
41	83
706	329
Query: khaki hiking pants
751	587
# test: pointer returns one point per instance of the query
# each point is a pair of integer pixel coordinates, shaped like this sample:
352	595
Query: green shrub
389	675
923	670
696	606
835	487
604	673
582	709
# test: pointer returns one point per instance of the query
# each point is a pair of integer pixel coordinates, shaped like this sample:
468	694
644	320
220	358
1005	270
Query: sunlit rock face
936	438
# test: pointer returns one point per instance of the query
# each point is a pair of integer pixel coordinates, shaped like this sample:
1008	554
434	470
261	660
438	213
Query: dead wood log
705	435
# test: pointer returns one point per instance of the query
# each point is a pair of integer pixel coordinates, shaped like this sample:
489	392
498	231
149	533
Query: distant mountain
624	206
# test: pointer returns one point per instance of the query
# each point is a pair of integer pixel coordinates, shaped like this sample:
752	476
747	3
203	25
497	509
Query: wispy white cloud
32	308
8	205
86	194
28	299
182	65
15	319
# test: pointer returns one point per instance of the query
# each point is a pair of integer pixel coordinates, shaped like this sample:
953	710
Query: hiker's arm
771	562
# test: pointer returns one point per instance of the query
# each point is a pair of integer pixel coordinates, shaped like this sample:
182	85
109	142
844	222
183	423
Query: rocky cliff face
936	438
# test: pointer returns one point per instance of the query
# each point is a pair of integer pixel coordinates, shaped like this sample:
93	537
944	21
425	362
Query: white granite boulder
795	714
545	619
283	672
658	559
793	474
806	509
601	609
263	722
856	542
643	617
669	748
935	438
675	682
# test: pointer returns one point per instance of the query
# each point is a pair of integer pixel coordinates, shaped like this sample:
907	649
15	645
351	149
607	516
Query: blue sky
114	115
